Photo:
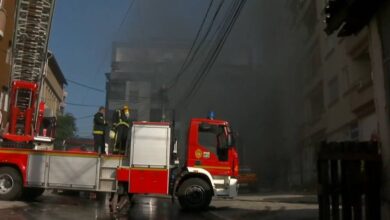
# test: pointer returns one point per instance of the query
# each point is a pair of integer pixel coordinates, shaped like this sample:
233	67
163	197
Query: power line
86	86
190	56
223	37
81	105
85	117
223	33
117	32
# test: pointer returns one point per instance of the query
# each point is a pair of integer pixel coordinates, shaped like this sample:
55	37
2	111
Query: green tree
66	127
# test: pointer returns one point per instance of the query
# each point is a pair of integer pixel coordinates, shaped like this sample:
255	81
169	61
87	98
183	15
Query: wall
53	91
381	38
5	52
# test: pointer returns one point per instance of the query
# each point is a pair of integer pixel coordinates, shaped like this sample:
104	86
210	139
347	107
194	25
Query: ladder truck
151	166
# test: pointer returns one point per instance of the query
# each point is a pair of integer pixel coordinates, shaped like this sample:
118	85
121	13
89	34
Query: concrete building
53	92
345	96
337	84
138	76
380	24
7	12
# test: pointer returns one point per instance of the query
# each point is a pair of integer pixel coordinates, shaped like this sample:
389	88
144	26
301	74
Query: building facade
343	73
381	23
138	78
53	92
7	11
338	91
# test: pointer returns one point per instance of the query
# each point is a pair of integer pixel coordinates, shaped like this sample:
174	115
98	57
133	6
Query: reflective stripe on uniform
123	123
98	132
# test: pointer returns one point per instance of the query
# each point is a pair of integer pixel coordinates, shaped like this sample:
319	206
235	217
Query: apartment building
138	76
338	91
344	70
7	12
53	91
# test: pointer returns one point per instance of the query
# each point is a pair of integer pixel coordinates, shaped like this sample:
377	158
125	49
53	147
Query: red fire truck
210	168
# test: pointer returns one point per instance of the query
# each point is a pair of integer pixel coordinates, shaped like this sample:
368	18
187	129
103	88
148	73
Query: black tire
194	194
32	193
10	184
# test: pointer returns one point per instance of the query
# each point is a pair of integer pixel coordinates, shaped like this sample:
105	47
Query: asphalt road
53	206
80	207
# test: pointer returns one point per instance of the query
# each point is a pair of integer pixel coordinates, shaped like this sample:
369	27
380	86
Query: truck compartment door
74	172
151	181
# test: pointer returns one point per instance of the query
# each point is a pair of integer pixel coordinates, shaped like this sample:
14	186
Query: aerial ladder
29	57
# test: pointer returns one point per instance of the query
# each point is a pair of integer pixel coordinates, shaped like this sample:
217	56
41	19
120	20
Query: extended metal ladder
29	54
30	41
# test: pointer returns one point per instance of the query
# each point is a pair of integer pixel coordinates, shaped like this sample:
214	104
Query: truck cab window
208	139
214	139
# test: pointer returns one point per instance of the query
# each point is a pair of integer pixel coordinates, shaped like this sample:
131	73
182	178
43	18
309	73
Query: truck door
209	149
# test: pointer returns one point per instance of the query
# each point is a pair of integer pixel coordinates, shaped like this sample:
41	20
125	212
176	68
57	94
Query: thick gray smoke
251	83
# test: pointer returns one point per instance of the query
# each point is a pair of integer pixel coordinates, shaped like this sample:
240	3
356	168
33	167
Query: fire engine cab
151	166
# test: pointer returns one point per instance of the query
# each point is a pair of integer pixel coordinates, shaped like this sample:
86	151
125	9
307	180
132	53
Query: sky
83	31
81	37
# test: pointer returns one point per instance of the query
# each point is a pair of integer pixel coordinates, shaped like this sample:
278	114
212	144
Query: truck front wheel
10	184
194	194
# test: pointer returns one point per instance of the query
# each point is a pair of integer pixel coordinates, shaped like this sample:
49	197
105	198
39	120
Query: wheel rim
195	194
6	183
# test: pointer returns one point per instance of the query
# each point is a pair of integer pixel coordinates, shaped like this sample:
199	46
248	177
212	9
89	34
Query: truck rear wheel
194	194
32	193
10	184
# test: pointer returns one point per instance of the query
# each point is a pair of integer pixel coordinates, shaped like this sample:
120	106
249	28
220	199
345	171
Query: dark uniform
99	127
121	125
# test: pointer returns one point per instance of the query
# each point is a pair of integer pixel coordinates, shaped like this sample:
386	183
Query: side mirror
230	140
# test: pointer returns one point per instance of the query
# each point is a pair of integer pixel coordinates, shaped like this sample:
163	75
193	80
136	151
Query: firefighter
121	123
99	126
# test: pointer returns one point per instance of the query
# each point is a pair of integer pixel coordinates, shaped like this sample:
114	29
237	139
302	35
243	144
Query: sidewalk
278	206
286	197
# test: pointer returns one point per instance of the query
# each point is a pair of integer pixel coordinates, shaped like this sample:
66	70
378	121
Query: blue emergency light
211	115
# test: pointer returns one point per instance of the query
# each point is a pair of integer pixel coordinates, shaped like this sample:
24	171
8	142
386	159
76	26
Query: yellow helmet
126	109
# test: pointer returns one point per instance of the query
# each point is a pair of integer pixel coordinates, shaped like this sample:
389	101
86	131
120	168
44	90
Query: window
333	89
362	67
213	138
1	100
345	80
9	53
6	102
354	131
317	107
117	91
133	96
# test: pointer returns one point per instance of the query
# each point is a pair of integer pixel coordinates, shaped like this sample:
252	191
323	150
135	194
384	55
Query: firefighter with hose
120	128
